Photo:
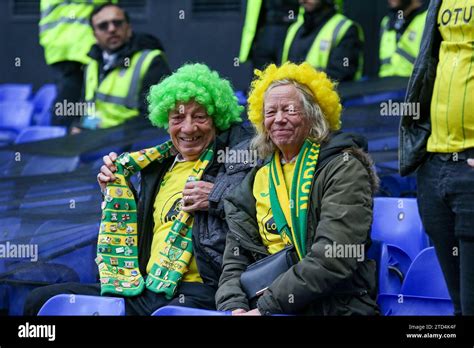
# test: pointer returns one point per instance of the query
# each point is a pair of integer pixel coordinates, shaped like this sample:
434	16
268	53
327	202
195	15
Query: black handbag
261	274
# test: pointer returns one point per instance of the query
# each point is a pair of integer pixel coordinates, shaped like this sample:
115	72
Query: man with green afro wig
164	242
197	82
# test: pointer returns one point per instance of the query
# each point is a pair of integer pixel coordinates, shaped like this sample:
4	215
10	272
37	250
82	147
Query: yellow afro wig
322	88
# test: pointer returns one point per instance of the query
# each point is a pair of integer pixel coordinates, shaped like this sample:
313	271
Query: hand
470	161
196	195
75	130
106	171
253	312
239	311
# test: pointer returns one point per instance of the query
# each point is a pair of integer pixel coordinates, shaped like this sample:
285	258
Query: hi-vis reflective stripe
406	55
50	25
290	35
131	100
336	32
51	8
113	100
250	28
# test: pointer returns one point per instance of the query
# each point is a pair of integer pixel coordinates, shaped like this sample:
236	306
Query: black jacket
350	46
209	228
138	42
414	134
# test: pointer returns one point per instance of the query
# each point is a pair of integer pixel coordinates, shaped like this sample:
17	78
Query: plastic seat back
394	265
397	222
15	92
83	305
37	133
43	101
15	115
425	277
186	311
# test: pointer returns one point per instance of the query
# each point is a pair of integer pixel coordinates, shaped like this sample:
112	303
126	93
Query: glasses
104	26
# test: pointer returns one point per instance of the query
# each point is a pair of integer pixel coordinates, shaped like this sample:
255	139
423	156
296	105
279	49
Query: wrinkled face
284	117
191	129
310	5
111	30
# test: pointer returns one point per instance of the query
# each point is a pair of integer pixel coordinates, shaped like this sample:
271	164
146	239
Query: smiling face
111	28
191	129
284	119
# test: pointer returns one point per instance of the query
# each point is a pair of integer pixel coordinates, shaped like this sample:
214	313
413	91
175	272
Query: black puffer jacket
209	228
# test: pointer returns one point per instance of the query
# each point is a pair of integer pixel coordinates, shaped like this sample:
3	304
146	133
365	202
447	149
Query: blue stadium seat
186	311
241	97
15	92
424	290
14	116
389	165
10	228
406	305
384	144
70	187
83	305
36	133
70	244
37	165
425	277
393	185
397	222
43	101
393	268
27	276
375	98
98	154
40	165
57	206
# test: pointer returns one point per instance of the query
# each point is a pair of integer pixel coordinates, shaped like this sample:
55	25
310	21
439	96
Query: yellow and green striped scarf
290	212
117	251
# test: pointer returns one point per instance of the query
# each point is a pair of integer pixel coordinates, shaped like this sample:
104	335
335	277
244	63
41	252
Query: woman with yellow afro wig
321	87
311	193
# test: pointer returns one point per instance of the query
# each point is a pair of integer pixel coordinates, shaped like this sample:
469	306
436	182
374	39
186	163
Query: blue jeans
446	204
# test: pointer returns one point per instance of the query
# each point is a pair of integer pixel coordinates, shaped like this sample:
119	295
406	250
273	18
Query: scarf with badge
290	213
117	251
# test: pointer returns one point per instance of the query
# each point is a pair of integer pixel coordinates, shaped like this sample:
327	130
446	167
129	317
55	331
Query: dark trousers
195	295
446	204
69	78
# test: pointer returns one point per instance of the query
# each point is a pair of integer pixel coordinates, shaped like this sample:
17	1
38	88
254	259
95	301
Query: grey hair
319	129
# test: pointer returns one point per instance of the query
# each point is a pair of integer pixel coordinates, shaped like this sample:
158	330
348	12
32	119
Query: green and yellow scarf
117	251
290	212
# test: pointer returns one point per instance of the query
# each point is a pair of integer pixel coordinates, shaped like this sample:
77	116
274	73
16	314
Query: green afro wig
198	82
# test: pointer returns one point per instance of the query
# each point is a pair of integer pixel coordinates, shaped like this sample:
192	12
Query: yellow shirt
452	104
166	207
266	224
